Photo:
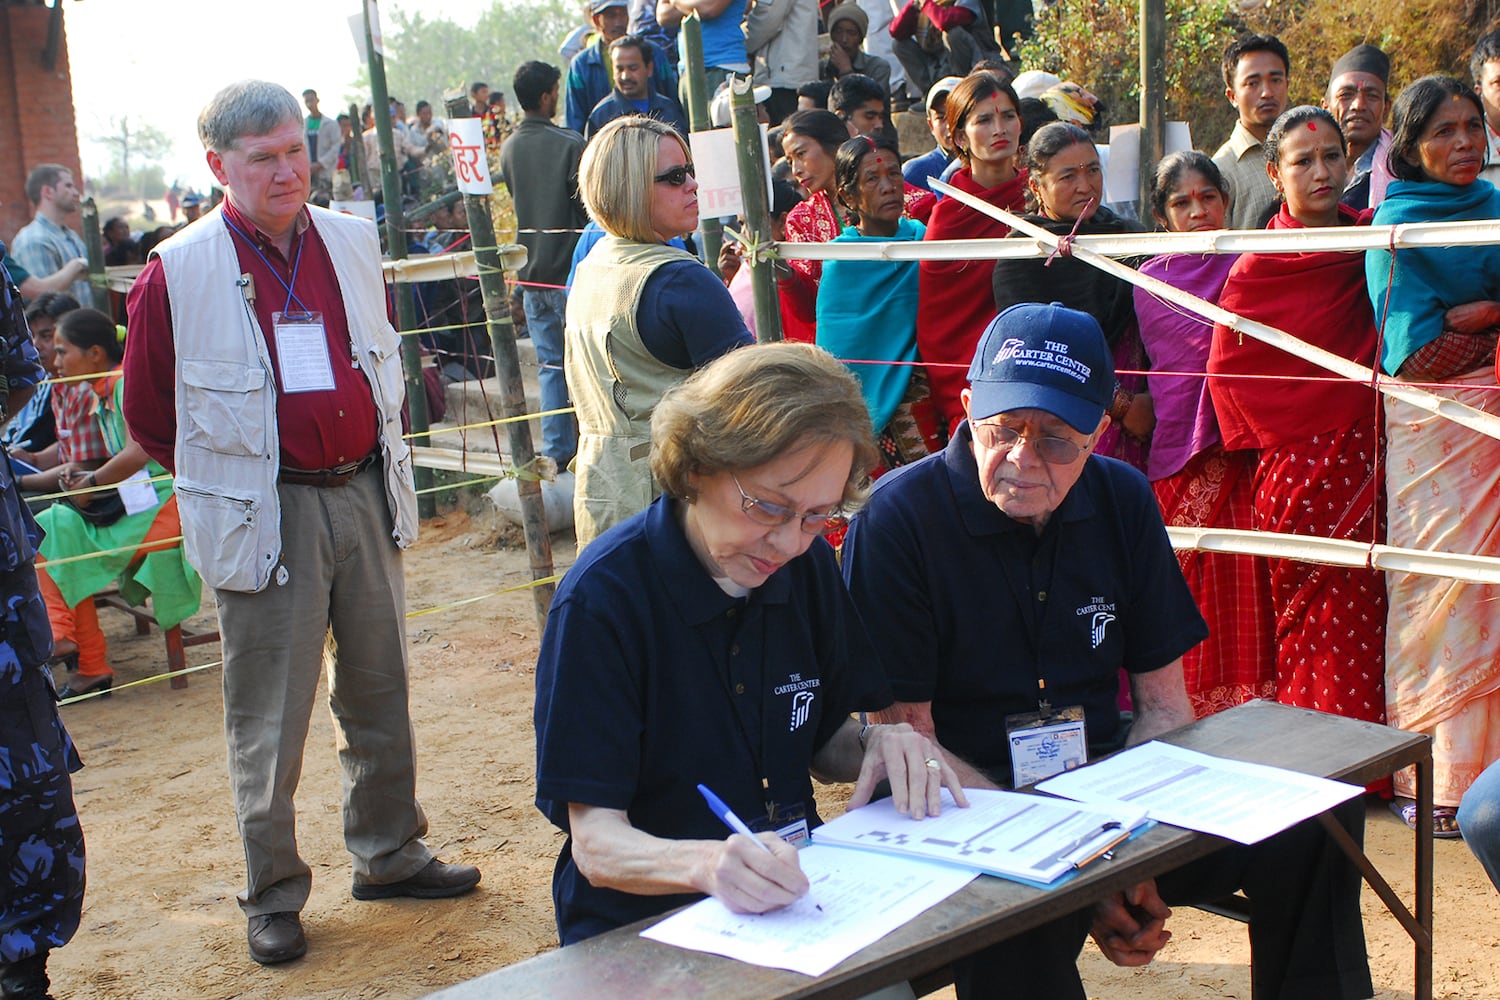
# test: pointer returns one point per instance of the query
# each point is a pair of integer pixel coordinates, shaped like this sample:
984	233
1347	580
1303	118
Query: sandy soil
164	863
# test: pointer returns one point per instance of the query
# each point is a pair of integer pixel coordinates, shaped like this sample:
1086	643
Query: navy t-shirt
651	679
969	608
686	317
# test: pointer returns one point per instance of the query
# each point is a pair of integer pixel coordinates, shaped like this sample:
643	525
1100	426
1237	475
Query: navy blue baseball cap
1043	357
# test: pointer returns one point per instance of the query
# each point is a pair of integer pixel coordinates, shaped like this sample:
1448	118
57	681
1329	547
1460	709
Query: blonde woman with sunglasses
641	315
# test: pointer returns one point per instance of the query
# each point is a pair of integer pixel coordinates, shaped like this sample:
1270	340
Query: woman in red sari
955	303
1197	482
1318	435
811	139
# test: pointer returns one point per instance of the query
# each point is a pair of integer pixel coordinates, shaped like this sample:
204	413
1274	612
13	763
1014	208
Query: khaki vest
614	381
228	448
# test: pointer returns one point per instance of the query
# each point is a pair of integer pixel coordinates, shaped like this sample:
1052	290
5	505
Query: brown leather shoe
276	937
437	880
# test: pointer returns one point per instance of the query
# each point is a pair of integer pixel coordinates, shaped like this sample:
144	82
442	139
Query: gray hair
249	107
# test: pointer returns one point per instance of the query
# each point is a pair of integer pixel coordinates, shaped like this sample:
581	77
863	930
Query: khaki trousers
339	570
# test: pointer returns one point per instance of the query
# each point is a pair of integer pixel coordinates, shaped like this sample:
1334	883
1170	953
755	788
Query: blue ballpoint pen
730	819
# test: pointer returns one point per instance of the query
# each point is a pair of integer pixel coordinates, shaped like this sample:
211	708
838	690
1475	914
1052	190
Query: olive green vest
614	381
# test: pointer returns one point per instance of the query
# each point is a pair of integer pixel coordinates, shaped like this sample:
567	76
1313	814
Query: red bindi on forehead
1312	126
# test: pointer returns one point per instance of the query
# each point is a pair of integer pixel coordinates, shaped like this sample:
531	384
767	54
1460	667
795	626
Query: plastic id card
302	352
1046	743
788	822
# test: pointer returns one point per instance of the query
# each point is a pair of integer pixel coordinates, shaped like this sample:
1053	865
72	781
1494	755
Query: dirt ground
164	862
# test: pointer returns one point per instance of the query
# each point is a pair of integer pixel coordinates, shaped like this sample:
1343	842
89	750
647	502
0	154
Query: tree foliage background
1096	42
136	151
426	56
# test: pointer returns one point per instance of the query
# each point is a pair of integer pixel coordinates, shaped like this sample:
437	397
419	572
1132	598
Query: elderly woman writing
710	640
642	315
1441	310
1318	436
1198	482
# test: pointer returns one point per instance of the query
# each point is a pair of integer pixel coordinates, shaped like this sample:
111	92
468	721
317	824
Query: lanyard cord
291	296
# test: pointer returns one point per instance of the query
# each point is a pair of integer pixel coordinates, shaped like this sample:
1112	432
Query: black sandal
100	688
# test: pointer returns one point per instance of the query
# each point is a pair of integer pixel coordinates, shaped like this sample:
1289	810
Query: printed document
1228	798
855	900
1029	838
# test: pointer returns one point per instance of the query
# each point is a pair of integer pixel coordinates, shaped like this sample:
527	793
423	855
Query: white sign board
363	209
471	169
718	169
1123	171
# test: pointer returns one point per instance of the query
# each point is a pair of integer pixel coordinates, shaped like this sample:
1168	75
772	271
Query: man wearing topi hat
1359	98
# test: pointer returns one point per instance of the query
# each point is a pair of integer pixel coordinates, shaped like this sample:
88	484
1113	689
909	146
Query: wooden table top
622	964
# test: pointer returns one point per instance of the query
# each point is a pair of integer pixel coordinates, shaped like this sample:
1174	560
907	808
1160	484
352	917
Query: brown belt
325	479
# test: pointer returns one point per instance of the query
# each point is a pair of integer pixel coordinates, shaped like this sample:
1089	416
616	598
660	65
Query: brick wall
37	124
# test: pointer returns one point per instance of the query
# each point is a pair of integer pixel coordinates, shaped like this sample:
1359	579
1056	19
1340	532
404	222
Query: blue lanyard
291	296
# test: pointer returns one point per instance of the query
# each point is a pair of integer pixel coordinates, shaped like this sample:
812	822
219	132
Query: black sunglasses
677	176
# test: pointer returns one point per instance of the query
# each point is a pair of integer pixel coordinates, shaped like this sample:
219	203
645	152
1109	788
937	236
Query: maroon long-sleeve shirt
319	429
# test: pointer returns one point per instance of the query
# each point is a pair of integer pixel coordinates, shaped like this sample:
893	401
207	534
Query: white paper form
855	900
137	492
1033	838
1228	798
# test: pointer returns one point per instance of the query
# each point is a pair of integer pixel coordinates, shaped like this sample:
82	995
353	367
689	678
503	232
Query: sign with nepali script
718	166
470	167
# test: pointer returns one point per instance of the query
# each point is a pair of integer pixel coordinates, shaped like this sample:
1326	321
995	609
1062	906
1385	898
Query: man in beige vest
268	314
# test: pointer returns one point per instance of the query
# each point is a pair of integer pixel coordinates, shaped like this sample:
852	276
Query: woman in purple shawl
1197	482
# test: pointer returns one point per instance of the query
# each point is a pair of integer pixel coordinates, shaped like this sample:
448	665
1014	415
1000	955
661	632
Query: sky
159	61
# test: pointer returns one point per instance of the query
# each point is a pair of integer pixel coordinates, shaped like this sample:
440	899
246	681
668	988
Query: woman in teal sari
867	309
1441	312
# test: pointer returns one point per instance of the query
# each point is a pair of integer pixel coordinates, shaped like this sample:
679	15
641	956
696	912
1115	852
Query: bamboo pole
93	243
1153	32
750	152
512	390
395	233
698	121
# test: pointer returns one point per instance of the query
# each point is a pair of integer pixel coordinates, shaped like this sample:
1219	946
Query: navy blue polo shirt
651	679
969	608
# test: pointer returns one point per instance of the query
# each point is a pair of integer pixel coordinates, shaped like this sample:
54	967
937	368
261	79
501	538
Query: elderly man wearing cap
1007	582
919	170
590	76
1358	98
847	27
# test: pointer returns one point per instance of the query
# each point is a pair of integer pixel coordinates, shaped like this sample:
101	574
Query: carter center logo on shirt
1052	355
803	693
1101	614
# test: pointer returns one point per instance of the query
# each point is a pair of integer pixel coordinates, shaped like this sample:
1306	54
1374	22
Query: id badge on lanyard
789	822
1045	743
302	352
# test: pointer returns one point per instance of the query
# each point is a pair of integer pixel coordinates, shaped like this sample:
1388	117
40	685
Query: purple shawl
1178	341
